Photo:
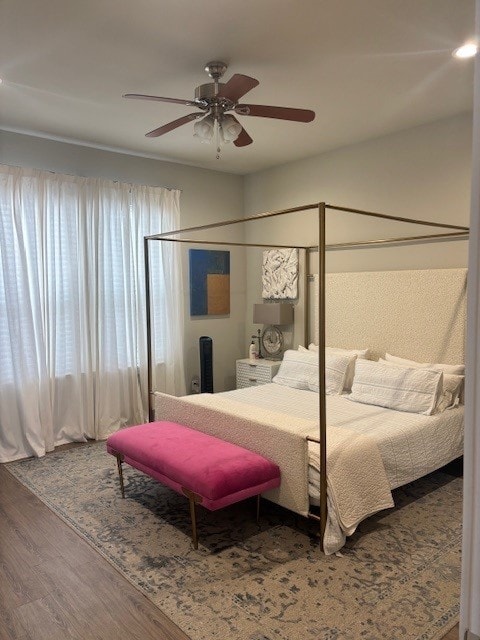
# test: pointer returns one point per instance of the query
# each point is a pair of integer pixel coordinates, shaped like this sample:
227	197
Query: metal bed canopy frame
455	232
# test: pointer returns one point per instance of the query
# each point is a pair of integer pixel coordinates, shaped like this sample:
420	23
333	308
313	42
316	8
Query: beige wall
207	196
421	173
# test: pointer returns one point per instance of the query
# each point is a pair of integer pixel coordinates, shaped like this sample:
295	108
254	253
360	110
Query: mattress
411	445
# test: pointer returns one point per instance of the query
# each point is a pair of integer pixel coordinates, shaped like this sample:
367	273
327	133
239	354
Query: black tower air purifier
206	364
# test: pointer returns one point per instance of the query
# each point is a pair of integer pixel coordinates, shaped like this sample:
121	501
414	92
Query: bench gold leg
193	499
194	522
120	473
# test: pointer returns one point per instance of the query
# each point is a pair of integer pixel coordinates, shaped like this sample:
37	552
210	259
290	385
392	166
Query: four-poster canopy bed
256	427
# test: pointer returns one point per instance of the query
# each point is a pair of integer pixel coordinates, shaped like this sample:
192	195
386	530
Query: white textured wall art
280	274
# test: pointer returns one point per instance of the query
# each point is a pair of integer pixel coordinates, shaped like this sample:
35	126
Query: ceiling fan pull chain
217	137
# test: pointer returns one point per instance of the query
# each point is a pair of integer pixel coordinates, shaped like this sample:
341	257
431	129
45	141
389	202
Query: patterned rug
398	577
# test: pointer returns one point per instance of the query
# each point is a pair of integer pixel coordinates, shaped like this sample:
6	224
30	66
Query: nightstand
251	373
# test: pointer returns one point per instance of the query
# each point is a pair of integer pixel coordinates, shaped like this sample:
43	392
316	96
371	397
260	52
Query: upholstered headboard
418	314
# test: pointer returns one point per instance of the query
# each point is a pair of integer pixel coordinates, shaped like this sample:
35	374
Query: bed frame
436	298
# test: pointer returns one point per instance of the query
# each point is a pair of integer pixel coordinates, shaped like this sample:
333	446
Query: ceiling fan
215	99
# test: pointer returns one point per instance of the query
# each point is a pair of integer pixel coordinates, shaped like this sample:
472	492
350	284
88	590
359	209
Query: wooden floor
54	586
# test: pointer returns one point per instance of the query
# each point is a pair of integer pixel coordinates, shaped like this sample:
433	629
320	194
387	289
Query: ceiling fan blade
243	138
140	96
283	113
237	86
173	125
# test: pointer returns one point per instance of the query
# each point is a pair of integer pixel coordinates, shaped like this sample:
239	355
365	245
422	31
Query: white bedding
411	444
273	420
357	483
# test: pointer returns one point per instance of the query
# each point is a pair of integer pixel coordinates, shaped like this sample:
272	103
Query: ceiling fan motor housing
207	94
207	91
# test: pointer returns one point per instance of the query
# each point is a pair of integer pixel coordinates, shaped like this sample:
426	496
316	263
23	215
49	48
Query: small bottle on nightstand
252	352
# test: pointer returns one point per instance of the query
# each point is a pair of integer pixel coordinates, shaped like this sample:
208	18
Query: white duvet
411	445
370	449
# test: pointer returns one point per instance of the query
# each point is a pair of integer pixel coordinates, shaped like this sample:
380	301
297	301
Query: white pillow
299	370
396	387
354	354
456	369
452	391
296	369
337	366
358	353
452	384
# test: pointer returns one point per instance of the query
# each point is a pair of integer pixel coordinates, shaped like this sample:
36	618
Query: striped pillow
413	390
299	370
452	385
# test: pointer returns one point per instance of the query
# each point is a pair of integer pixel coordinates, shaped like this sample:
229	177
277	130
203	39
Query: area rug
397	578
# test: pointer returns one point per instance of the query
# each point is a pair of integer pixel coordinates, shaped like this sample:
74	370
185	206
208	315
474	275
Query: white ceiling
366	67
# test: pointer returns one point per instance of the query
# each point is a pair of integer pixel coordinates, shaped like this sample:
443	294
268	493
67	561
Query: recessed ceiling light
466	51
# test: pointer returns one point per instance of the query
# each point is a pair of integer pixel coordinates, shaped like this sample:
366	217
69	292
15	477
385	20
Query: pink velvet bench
207	470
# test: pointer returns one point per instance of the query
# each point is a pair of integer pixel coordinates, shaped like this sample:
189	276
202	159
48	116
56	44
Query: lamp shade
204	128
230	129
274	313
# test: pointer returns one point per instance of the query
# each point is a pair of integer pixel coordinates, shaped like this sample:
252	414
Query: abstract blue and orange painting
209	282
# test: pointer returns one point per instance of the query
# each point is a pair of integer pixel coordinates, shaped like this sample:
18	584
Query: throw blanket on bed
357	483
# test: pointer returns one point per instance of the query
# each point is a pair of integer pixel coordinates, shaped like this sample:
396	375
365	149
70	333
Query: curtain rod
73	175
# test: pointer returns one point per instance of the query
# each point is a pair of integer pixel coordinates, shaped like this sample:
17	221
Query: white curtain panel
72	307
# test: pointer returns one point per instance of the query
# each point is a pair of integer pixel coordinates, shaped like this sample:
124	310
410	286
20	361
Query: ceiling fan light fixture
230	129
204	129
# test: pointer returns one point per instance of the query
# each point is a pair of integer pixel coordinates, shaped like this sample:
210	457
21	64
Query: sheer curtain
72	307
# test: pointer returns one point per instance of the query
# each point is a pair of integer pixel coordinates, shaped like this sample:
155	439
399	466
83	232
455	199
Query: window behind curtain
72	301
